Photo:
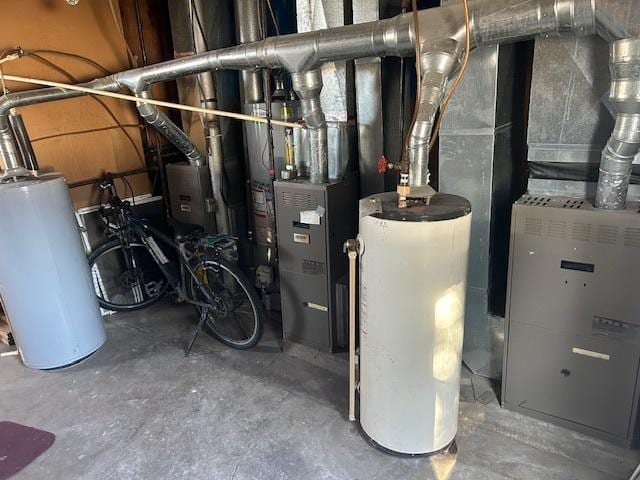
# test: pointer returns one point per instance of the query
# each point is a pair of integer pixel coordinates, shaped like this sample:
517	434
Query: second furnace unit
313	223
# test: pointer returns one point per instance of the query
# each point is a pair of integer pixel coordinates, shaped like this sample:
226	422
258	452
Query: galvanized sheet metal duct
437	68
368	84
492	22
24	143
249	29
308	86
624	144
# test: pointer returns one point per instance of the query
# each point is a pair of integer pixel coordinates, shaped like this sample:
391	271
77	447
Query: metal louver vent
607	234
632	237
570	203
581	231
536	201
533	226
557	228
299	200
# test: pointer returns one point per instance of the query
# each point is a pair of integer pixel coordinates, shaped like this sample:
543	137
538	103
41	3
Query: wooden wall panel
87	29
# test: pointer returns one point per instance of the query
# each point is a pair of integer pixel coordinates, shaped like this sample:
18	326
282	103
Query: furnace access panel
573	315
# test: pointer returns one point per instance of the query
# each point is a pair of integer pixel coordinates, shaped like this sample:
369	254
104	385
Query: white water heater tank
45	283
413	269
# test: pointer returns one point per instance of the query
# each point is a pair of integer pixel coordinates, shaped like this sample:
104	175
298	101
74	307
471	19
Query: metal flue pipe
213	137
438	68
24	142
248	15
308	86
8	146
491	22
442	29
624	144
170	130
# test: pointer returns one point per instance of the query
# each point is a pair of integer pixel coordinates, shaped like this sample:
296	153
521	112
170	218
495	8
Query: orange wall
87	29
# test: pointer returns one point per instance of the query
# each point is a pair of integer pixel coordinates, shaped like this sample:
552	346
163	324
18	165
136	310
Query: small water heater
413	269
45	283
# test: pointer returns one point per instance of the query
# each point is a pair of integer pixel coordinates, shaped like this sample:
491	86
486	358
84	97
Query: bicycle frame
147	235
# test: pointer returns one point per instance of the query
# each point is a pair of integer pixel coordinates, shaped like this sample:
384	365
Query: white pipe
351	247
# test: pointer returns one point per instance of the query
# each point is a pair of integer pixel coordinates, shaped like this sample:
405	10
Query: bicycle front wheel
235	316
126	279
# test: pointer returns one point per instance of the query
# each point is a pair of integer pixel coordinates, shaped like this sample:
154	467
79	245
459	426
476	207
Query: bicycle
131	271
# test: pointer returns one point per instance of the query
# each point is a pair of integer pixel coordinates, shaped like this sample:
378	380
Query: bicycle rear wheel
126	279
236	316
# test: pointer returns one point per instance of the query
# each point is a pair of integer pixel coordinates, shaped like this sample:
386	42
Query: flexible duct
170	130
624	144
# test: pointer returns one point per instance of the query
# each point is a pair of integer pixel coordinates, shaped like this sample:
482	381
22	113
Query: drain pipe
213	137
308	86
170	130
624	144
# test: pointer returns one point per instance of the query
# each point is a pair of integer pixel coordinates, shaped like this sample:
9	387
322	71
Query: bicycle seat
182	231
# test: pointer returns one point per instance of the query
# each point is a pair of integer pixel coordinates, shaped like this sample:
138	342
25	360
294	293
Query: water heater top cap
29	181
438	207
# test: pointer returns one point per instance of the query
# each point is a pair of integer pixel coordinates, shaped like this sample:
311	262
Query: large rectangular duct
570	117
475	160
368	82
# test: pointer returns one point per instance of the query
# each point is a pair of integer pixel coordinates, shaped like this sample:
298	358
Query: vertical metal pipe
624	144
23	141
9	147
308	86
207	87
368	83
248	15
437	69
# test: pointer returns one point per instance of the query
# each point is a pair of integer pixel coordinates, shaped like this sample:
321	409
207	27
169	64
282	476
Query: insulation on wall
88	29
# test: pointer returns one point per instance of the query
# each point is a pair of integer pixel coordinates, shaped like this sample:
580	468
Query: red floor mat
19	446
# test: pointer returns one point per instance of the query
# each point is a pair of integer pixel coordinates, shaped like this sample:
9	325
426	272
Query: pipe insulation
624	144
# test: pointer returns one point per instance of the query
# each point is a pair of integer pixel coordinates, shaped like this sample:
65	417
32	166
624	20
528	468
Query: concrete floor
138	409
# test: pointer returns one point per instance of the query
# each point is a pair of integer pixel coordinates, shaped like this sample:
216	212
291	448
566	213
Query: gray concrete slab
138	409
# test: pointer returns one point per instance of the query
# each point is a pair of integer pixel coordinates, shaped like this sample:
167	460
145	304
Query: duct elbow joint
624	144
